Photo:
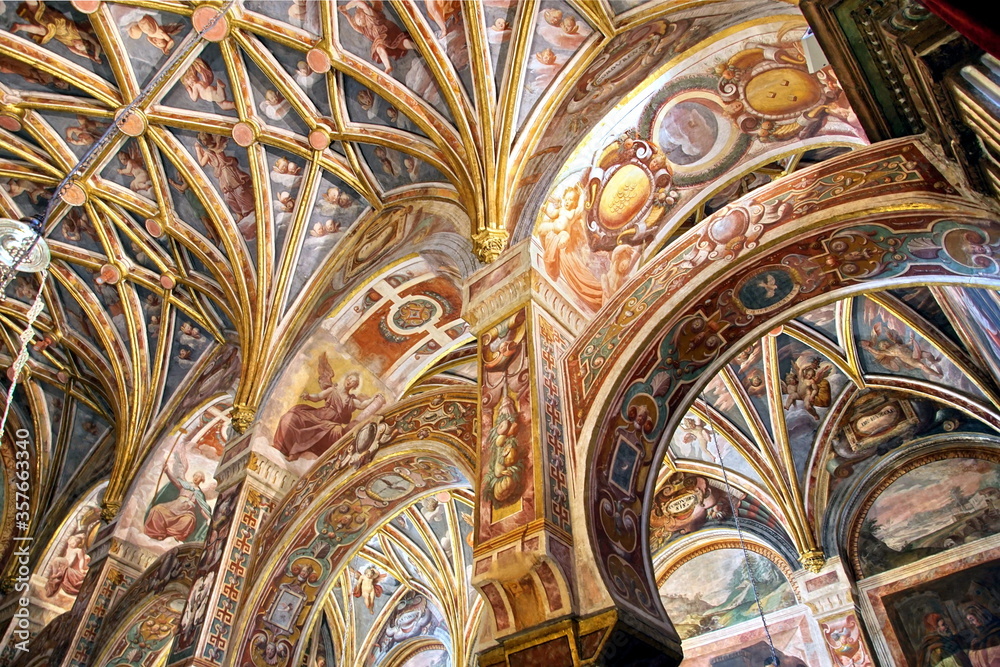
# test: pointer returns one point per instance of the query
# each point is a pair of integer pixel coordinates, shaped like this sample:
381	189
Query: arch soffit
875	217
335	508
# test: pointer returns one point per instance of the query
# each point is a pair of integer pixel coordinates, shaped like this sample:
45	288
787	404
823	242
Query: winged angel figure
891	351
807	382
309	429
368	585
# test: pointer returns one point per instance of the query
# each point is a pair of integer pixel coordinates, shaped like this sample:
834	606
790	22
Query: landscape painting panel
932	508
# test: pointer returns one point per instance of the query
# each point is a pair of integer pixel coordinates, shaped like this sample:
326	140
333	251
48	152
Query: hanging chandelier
22	249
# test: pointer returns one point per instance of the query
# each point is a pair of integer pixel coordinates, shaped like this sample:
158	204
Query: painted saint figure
942	646
236	185
180	509
307	429
388	40
45	24
984	647
67	571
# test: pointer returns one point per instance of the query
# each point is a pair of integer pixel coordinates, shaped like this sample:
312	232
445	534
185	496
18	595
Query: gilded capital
109	510
489	243
813	560
241	418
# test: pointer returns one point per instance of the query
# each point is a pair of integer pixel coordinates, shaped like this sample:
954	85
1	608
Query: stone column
248	486
830	596
525	558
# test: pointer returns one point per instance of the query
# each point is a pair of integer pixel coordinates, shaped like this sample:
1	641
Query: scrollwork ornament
488	244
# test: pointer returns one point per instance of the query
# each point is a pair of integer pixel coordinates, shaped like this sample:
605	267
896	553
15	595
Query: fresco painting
980	307
924	302
717	394
508	497
887	344
930	509
597	221
686	502
434	657
413	615
559	33
318	400
810	383
205	85
89	428
299	13
795	644
696	439
148	638
748	366
337	207
846	643
402	321
150	37
174	495
371	30
824	320
712	591
948	620
61	571
500	16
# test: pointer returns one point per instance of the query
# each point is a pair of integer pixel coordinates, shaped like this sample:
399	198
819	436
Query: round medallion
782	92
318	60
244	134
624	196
689	131
10	123
414	314
134	124
73	194
389	487
202	18
319	139
766	289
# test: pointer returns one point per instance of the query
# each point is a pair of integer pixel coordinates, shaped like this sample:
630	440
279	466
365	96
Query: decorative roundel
413	314
15	235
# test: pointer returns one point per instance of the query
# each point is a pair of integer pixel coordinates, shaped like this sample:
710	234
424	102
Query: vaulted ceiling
285	159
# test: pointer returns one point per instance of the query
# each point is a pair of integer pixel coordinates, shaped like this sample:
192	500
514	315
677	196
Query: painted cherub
368	585
159	35
696	433
134	168
200	83
807	382
892	352
85	132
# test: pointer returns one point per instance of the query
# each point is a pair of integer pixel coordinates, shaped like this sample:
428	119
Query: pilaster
830	597
248	486
525	555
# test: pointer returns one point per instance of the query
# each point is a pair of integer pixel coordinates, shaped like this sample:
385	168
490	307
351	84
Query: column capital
512	281
240	461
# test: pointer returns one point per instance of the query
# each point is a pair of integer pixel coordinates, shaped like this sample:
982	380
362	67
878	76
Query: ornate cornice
505	285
